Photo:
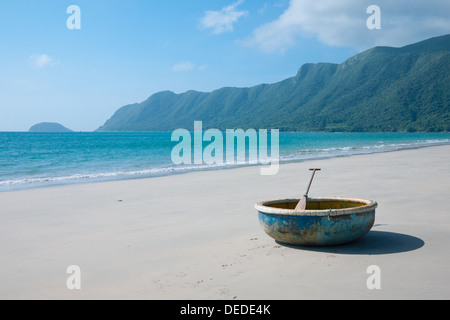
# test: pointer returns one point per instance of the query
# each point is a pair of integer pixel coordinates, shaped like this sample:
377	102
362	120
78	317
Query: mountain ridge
380	89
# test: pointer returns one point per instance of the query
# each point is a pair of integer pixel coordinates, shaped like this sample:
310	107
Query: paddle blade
301	204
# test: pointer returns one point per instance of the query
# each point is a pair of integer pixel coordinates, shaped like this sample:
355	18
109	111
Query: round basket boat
325	222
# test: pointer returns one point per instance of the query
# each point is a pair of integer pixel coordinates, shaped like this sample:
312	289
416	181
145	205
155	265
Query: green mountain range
381	89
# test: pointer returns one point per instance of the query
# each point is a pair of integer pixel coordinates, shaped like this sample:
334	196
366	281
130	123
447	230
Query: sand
197	235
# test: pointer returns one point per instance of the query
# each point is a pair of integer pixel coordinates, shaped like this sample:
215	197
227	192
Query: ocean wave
298	155
107	175
310	154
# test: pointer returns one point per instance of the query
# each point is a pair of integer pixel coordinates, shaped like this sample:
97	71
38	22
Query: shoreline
139	176
197	236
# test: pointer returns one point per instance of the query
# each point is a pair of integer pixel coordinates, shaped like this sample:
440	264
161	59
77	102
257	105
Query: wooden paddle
302	203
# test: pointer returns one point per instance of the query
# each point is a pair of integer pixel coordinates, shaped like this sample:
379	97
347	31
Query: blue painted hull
318	227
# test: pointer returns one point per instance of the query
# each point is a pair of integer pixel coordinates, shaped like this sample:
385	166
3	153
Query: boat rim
369	205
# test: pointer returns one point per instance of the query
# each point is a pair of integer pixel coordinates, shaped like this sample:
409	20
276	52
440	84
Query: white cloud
343	24
263	9
186	66
183	67
223	20
42	60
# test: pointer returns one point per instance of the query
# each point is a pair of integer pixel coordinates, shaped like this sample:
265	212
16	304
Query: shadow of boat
373	243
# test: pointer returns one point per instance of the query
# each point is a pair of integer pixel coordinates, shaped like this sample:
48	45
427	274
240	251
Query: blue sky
127	50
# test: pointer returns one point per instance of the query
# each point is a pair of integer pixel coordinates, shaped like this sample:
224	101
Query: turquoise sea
32	160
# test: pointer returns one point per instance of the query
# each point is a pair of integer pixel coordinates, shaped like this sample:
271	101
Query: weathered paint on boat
326	221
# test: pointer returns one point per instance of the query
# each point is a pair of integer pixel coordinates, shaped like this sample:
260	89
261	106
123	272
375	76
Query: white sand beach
197	235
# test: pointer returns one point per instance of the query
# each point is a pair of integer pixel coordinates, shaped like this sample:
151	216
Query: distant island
383	89
49	127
